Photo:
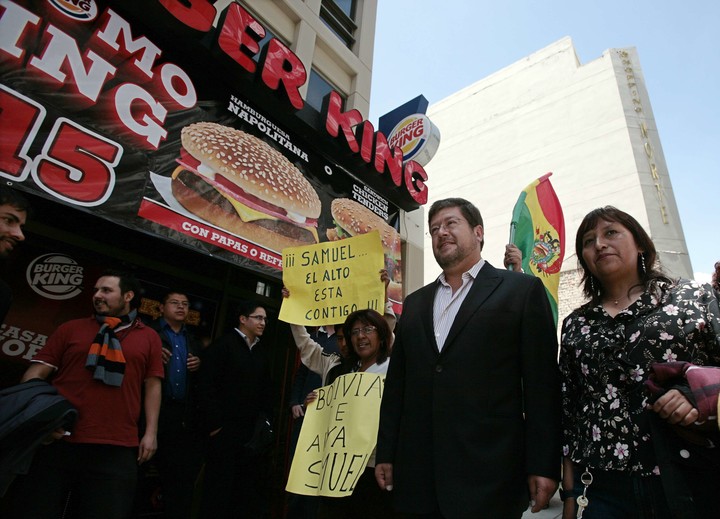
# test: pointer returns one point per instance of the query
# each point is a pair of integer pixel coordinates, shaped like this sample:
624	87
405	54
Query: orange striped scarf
105	357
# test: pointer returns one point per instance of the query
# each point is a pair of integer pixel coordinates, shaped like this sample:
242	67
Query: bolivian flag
538	230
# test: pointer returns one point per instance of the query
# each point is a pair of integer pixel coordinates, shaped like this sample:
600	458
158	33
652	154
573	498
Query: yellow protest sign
327	281
338	436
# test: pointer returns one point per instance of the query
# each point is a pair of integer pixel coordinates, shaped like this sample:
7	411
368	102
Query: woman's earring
592	285
642	263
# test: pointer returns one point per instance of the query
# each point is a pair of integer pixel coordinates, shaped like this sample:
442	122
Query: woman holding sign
370	339
373	359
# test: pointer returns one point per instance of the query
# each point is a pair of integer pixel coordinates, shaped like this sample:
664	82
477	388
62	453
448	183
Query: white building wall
581	122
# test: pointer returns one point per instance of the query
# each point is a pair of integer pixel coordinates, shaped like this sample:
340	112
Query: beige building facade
333	38
591	125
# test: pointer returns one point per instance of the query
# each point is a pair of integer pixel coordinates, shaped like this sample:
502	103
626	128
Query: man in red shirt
106	366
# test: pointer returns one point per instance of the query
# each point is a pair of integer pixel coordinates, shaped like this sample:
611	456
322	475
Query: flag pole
512	240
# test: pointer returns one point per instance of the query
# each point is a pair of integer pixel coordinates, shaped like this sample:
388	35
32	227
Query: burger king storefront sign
417	137
144	113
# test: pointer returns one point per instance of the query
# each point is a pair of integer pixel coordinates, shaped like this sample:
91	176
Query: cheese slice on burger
264	188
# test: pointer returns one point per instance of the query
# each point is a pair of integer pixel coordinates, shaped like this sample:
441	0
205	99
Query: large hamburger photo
351	218
243	185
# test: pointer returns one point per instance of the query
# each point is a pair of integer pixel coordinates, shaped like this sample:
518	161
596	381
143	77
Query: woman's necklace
625	299
614	301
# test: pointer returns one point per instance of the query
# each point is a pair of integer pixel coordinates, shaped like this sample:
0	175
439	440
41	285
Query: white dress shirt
447	303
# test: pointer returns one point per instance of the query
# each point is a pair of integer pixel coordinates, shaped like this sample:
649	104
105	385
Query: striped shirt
447	304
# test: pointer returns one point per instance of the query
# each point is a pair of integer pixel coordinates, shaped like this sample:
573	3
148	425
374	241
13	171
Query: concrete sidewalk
554	511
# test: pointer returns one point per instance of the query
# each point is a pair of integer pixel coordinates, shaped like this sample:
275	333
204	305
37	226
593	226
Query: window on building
268	36
347	7
339	16
318	88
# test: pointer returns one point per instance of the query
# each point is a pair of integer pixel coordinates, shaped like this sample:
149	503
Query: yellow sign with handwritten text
327	281
338	436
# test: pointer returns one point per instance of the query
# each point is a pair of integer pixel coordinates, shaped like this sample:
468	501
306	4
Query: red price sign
76	164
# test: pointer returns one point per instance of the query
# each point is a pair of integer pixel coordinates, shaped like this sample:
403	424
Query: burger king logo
80	10
417	137
55	276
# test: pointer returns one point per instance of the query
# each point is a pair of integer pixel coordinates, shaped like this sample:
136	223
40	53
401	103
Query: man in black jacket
470	415
237	398
180	441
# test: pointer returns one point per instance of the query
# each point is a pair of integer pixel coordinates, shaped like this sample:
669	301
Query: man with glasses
470	416
236	395
179	454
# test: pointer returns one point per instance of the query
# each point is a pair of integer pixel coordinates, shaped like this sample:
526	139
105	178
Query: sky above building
437	48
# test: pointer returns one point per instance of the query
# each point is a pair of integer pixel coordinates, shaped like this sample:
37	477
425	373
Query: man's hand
310	398
193	363
37	370
166	354
513	257
674	408
297	411
385	277
541	490
384	476
55	436
148	446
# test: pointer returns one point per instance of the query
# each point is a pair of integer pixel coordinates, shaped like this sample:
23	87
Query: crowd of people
479	416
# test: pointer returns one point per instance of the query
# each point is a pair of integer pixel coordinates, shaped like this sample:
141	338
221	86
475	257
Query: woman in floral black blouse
636	316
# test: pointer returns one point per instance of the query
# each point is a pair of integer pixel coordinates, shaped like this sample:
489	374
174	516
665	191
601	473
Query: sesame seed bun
356	219
256	167
205	201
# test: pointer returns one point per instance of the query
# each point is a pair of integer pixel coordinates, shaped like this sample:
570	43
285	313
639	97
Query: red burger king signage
99	101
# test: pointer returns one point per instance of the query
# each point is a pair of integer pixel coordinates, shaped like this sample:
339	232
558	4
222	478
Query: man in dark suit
470	417
236	396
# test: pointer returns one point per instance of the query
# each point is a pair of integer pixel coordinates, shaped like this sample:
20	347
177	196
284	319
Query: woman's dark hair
716	277
649	273
370	318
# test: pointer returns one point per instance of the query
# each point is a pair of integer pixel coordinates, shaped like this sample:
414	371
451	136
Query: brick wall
570	294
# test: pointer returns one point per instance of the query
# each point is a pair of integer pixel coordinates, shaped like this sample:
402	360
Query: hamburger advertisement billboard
144	113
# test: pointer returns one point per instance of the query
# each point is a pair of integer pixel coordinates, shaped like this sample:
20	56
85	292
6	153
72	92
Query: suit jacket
465	427
235	386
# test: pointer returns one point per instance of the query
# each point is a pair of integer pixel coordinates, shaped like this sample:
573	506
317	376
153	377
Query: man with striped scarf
109	367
